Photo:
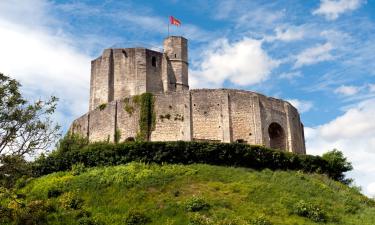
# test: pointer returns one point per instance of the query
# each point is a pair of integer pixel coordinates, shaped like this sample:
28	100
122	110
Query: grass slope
196	194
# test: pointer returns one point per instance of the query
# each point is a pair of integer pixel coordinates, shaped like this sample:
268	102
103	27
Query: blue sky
318	54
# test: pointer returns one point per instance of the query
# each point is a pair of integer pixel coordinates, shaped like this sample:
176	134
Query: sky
319	55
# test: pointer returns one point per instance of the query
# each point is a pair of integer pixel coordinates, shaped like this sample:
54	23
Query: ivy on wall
147	118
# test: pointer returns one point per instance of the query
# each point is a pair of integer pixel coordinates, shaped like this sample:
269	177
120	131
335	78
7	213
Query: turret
176	49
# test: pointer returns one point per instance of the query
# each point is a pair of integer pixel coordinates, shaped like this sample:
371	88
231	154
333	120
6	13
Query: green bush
224	154
136	218
261	221
196	204
337	164
54	192
70	200
88	221
35	212
78	168
310	211
197	219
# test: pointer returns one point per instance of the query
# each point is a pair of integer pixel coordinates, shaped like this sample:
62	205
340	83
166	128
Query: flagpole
168	28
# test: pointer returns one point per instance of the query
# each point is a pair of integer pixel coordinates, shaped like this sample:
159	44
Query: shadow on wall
277	136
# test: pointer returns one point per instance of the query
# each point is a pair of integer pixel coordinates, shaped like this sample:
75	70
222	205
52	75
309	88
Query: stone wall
172	117
125	72
218	115
102	123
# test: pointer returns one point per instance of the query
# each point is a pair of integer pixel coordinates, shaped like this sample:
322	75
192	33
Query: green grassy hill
137	193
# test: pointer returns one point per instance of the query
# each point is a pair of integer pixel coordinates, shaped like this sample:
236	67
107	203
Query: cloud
347	90
371	189
242	63
316	54
43	59
331	9
287	34
302	106
290	75
371	88
353	133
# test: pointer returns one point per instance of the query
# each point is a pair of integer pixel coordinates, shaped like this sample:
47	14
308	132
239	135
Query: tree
25	128
338	165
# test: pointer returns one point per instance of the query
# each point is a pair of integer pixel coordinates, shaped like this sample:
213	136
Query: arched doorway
277	136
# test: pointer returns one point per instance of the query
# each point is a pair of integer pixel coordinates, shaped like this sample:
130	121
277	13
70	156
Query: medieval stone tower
120	75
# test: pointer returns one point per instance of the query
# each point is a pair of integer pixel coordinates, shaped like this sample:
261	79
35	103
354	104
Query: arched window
277	136
153	61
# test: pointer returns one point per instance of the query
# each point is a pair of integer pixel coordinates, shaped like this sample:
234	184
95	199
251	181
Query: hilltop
138	193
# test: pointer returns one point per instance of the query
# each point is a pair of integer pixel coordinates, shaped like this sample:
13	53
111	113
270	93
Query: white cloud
371	88
242	63
316	54
287	34
371	189
42	59
353	133
290	75
347	90
301	105
331	9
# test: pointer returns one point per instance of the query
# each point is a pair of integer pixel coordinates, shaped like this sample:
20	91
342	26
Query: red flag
174	21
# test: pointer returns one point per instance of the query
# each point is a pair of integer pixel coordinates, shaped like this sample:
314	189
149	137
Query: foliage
310	211
196	204
127	107
338	165
147	117
25	128
237	196
117	136
13	168
78	168
102	106
234	154
136	218
261	220
54	192
70	200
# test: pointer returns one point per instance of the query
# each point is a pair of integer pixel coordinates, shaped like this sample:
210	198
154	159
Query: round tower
176	49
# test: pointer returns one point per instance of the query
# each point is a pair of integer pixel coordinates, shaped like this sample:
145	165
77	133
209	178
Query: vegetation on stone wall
117	136
102	106
147	118
127	107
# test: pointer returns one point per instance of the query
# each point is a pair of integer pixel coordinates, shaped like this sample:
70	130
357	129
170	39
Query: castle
119	76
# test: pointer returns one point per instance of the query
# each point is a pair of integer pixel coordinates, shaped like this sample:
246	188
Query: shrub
338	164
224	154
35	212
70	201
78	168
310	211
196	204
261	220
53	193
88	221
136	218
197	219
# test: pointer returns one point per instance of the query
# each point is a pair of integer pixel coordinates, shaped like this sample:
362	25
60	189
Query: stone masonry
213	115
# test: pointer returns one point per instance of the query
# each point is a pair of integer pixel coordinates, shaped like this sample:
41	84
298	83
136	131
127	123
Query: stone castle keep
119	76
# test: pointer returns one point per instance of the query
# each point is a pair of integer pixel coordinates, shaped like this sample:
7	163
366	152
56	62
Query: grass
139	193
